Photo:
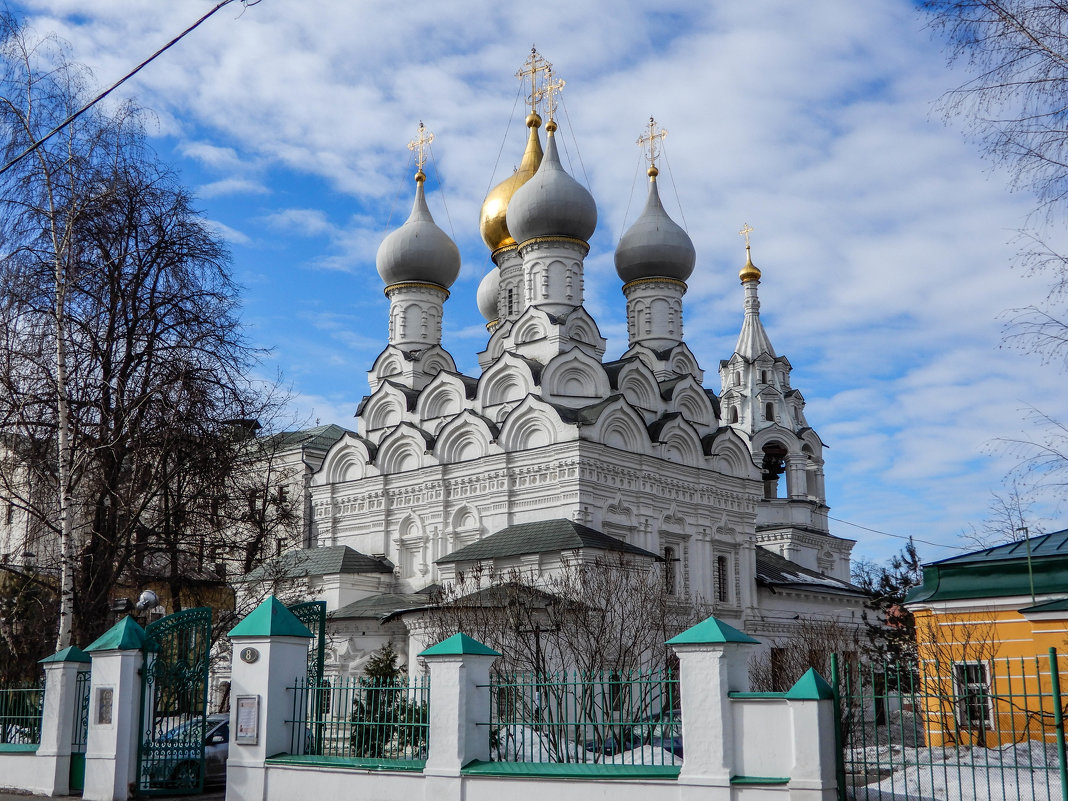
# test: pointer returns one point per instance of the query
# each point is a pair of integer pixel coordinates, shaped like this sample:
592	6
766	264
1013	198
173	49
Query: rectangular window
971	686
670	577
722	582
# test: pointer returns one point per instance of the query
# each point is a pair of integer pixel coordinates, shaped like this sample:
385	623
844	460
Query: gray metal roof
320	438
325	561
545	535
381	607
773	570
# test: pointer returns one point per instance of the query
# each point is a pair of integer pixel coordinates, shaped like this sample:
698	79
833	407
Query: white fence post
459	703
57	721
270	653
114	712
711	665
811	703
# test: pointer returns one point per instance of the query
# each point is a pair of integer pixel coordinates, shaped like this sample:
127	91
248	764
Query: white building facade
631	452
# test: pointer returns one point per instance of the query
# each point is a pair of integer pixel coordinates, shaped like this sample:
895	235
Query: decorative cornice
653	280
541	240
416	285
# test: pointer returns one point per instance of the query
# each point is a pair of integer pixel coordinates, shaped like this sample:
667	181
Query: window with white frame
971	687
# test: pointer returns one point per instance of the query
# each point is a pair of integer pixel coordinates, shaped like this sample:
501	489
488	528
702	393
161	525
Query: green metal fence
21	709
366	719
978	729
610	718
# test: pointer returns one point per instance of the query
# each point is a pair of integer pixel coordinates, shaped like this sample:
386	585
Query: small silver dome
418	250
552	203
486	297
655	246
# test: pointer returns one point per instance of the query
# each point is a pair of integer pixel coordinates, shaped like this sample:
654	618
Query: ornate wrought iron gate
174	704
313	615
80	731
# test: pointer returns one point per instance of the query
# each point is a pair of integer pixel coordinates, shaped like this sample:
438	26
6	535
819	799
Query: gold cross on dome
548	93
648	141
532	68
421	144
747	229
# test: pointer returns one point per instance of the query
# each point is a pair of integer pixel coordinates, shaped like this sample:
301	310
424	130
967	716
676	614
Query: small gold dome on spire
749	272
493	220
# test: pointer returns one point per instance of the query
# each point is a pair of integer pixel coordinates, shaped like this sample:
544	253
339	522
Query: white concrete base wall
24	770
288	782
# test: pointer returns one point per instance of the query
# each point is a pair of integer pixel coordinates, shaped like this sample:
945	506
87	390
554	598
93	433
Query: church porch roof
319	561
773	570
539	537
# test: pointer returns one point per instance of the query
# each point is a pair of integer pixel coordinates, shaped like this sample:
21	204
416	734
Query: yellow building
985	624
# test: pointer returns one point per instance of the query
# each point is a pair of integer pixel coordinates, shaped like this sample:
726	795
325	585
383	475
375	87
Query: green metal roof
1059	605
69	654
270	619
810	687
558	534
998	572
711	630
1052	544
326	561
320	438
459	644
126	635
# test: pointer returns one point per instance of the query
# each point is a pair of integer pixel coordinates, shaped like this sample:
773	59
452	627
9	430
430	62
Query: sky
885	241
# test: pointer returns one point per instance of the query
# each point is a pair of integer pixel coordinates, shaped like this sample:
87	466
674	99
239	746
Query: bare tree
123	364
583	650
810	644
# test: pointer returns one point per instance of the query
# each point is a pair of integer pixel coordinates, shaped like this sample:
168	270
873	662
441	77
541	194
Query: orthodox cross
649	141
532	68
548	92
747	229
421	144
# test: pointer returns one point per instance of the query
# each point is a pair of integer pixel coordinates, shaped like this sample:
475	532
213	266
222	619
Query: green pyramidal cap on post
459	644
711	630
126	635
810	687
270	619
69	654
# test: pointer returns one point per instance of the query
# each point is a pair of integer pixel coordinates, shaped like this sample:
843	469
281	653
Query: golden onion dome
749	272
493	220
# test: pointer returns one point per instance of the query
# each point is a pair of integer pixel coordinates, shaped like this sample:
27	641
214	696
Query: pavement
210	795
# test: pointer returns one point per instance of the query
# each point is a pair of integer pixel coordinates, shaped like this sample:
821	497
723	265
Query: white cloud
884	240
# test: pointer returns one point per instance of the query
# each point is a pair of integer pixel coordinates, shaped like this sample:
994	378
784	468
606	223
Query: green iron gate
174	704
80	731
313	615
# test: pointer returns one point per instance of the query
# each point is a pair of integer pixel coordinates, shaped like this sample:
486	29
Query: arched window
721	579
769	411
670	560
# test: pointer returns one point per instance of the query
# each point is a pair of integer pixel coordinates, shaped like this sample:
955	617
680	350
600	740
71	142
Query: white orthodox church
556	451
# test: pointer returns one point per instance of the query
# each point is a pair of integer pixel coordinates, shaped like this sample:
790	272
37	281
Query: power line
117	84
899	536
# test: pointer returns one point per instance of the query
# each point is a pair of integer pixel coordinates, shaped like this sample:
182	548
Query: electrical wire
504	139
441	190
117	84
674	186
900	536
633	184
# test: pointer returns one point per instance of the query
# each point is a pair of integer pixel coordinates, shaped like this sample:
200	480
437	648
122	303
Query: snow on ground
1026	771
